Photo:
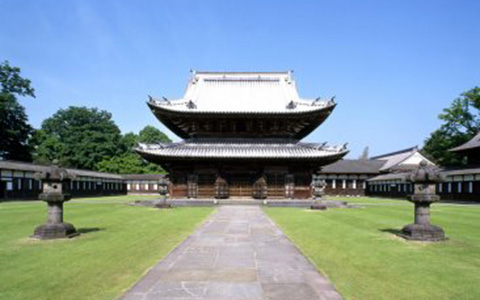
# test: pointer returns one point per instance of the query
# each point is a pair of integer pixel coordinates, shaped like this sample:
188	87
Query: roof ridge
395	152
242	72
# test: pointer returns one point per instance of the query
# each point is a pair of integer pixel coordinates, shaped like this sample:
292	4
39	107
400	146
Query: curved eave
316	116
319	160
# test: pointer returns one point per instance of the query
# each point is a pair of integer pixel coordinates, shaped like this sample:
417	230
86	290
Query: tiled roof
392	176
396	160
143	176
475	170
471	144
395	153
242	149
446	172
354	166
30	167
242	92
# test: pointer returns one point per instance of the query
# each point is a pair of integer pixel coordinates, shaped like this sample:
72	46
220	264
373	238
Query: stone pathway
239	253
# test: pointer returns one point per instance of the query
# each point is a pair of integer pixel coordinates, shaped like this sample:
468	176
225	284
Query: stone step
239	202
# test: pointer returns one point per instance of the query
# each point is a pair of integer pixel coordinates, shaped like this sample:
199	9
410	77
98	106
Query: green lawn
355	249
119	244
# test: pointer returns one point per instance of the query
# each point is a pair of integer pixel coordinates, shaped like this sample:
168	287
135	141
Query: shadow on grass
89	230
396	232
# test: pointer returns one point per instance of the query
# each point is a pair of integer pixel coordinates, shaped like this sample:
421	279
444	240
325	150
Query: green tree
15	132
130	162
151	135
130	140
461	121
79	137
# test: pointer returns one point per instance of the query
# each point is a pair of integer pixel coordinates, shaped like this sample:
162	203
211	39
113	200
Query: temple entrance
206	185
240	186
276	185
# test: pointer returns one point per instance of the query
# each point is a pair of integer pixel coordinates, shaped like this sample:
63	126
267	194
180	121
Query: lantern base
162	205
318	206
55	231
420	232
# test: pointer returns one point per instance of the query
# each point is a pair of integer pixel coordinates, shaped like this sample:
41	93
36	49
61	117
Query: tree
130	162
79	137
461	121
15	132
364	154
151	135
130	140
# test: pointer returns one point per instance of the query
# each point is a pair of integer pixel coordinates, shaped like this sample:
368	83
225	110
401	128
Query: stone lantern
318	186
424	180
221	188
54	180
163	191
260	190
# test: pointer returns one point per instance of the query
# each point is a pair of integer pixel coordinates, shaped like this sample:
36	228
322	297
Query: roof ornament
291	105
194	78
166	100
191	105
332	100
344	147
319	146
289	78
315	101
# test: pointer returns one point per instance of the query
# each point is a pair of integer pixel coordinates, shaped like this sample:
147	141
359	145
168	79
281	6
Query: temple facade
242	137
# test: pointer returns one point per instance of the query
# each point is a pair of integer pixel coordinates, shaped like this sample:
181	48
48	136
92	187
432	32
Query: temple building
461	183
242	137
471	150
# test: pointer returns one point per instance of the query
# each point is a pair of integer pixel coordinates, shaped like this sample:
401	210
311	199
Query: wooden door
240	186
276	185
206	184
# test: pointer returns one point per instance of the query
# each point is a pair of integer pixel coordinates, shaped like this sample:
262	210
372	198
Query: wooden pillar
289	186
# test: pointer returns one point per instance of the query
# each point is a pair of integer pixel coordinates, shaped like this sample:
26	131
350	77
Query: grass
357	251
119	243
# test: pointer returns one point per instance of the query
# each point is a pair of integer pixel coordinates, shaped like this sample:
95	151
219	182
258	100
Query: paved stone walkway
239	253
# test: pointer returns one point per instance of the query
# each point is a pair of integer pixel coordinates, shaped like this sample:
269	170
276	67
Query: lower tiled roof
242	149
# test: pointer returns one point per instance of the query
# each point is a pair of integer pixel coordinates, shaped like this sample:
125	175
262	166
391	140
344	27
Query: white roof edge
174	105
242	92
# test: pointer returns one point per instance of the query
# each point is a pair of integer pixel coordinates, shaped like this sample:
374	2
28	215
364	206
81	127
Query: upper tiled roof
474	143
242	92
239	149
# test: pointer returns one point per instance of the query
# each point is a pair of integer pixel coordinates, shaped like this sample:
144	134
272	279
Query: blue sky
393	65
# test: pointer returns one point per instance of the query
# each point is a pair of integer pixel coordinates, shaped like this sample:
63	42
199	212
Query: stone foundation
55	231
423	232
